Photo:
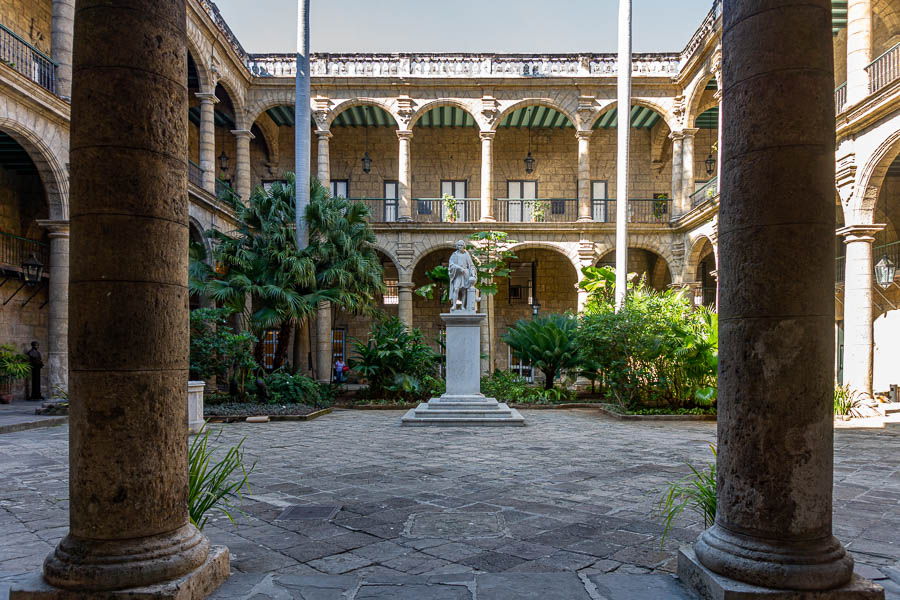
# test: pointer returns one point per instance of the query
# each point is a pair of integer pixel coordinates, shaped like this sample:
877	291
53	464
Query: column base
584	220
712	586
197	584
488	219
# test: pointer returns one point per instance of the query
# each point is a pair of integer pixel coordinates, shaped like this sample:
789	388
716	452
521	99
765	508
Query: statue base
456	411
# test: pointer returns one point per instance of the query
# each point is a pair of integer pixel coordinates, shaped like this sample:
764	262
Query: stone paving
20	416
457	512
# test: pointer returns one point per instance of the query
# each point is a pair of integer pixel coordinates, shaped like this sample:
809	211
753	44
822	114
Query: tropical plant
216	350
451	208
698	353
14	365
215	484
287	388
395	361
847	401
547	341
696	491
539	210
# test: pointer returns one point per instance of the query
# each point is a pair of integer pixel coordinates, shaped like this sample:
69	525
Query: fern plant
548	342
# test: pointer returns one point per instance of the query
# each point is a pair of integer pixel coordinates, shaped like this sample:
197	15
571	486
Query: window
457	189
391	193
340	188
517	210
270	343
599	203
521	282
391	291
519	366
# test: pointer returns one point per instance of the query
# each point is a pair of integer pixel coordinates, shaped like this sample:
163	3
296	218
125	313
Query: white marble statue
462	280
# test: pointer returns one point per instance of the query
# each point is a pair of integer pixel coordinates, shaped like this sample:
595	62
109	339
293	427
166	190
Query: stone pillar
208	140
323	342
323	166
58	321
61	30
128	453
687	168
584	175
301	348
858	281
242	169
776	261
859	49
403	177
677	138
405	303
718	96
487	175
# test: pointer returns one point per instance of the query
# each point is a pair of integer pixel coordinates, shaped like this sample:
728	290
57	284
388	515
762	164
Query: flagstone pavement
444	511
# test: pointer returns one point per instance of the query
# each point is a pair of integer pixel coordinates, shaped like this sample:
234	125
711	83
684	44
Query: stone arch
54	176
603	250
237	102
525	103
425	252
387	253
345	104
572	255
270	99
667	116
697	252
269	132
196	230
693	106
861	208
443	102
204	77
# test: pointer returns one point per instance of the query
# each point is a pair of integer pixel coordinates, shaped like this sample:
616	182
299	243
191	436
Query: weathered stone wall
645	264
30	19
644	181
22	201
426	313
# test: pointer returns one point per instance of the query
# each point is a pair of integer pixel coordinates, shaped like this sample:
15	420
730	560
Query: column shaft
323	342
584	175
405	303
323	157
128	480
58	318
61	30
687	169
242	169
719	144
677	139
487	175
776	255
858	333
208	140
403	176
859	49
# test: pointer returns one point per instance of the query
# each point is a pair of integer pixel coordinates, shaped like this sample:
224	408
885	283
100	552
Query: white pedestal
195	406
463	404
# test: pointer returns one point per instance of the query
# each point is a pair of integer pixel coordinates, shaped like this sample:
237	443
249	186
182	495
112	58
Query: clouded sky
462	25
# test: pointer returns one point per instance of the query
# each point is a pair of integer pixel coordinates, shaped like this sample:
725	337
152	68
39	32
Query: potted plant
13	366
451	208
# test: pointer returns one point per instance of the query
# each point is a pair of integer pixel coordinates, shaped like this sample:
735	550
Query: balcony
18	54
707	191
195	174
640	210
884	69
541	210
14	250
840	97
891	250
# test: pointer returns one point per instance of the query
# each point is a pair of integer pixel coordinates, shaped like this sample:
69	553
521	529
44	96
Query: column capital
860	233
324	134
676	136
404	134
584	135
243	133
56	228
487	135
689	132
207	98
405	285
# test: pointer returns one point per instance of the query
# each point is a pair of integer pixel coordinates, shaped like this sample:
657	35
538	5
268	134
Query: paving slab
618	586
530	586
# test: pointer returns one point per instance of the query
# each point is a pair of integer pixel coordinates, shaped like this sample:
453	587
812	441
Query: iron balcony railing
437	210
891	250
706	191
884	69
14	250
840	97
540	210
18	54
195	173
639	210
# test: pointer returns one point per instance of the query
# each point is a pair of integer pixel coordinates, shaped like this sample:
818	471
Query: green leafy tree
548	342
216	350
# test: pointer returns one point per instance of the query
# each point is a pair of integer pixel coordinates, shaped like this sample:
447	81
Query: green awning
641	118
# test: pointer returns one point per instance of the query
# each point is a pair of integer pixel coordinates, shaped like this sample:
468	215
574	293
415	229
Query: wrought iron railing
195	173
891	250
639	210
14	250
840	97
381	210
540	210
706	191
18	54
437	210
884	69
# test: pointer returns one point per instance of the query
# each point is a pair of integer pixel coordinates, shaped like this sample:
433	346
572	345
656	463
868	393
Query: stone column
242	169
405	303
718	96
487	175
858	281
61	29
58	321
403	177
128	453
677	138
859	49
584	175
687	168
323	166
323	342
776	261
208	140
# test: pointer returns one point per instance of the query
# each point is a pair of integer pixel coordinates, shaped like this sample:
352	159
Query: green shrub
13	366
548	342
215	484
285	388
508	387
217	351
697	491
847	402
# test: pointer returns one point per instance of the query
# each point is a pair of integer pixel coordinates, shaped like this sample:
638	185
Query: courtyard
571	494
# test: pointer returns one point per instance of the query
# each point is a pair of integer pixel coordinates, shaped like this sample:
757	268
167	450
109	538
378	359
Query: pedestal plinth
463	404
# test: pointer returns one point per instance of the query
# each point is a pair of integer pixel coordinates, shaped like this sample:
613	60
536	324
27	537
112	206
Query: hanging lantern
884	272
529	163
710	164
223	162
32	270
366	162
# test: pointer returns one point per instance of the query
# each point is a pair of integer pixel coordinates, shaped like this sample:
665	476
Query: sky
538	26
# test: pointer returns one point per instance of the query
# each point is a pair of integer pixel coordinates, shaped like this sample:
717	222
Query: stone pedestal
463	403
196	423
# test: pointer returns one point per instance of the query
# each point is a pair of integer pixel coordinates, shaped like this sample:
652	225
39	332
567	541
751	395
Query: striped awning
838	15
709	119
641	117
222	118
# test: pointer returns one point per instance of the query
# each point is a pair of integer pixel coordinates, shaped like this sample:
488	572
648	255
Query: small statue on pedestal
34	357
462	279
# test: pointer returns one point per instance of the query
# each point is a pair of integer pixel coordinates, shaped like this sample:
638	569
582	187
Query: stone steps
474	411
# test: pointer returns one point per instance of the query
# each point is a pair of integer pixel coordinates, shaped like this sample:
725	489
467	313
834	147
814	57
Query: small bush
697	491
847	402
215	485
508	387
287	388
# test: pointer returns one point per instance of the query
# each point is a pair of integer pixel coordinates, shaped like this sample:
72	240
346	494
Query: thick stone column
687	168
487	175
677	138
776	261
404	177
859	49
858	281
58	318
323	342
584	175
208	140
242	169
405	303
128	479
62	27
323	157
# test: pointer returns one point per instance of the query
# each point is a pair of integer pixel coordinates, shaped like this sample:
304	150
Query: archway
427	311
224	114
705	273
646	263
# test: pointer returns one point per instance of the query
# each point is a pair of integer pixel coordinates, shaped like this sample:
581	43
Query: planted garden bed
242	410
